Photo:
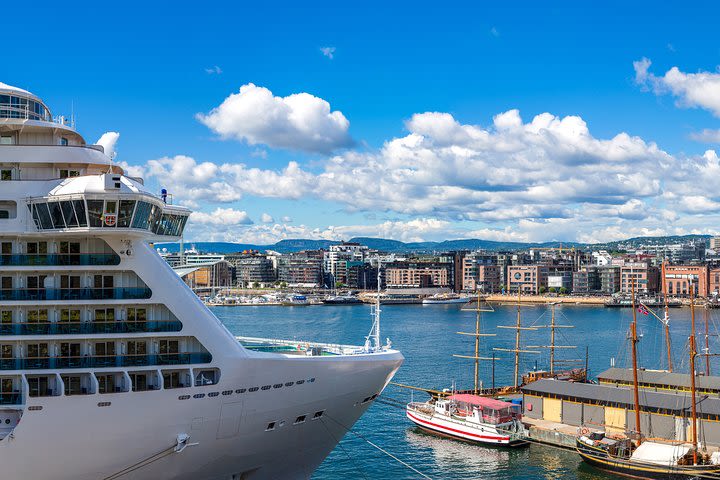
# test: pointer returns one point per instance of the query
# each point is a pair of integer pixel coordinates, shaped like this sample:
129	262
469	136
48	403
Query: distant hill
396	246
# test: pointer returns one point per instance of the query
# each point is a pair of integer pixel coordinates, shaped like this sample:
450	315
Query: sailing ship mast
706	314
477	335
633	341
666	320
693	354
517	351
553	326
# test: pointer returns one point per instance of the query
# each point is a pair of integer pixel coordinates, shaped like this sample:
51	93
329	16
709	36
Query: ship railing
58	259
104	361
34	294
14	398
333	348
90	327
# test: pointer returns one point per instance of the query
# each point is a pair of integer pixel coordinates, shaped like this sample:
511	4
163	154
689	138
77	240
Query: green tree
563	291
542	290
256	285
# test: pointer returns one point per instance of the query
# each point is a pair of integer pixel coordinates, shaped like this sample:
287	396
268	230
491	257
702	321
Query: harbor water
426	335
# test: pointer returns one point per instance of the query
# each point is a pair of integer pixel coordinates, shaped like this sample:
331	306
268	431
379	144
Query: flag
643	309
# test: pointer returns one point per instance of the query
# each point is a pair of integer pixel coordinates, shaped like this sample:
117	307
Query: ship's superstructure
110	367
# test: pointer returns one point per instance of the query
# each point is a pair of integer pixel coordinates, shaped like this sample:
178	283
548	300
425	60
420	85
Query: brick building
645	276
678	279
529	279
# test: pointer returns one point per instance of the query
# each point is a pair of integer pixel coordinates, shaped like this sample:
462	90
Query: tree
542	290
256	285
552	290
563	291
283	285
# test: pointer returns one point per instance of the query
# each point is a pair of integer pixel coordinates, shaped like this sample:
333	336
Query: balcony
59	259
35	294
106	361
10	398
89	328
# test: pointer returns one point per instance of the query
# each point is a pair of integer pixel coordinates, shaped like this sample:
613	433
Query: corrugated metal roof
679	402
658	377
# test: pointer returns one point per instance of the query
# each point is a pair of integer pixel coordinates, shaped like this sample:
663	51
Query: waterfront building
586	280
679	278
362	276
714	281
417	277
528	279
715	244
481	272
301	268
560	281
336	257
609	279
644	276
601	258
252	269
207	276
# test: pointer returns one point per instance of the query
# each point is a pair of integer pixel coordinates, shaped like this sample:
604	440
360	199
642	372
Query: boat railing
300	345
83	293
103	361
58	259
90	327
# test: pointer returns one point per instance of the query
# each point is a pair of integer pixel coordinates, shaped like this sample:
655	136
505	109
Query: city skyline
533	124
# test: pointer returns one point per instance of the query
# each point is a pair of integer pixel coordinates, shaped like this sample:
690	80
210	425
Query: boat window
125	213
56	215
169	347
136	314
39	386
69	213
142	215
67	315
5	173
300	419
72	385
39	315
271	426
106	383
136	348
95	212
139	382
8	209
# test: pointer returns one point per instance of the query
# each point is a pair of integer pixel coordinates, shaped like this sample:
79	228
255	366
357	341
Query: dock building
664	414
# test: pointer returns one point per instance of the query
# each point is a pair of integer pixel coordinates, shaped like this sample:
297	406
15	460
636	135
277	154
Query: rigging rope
405	464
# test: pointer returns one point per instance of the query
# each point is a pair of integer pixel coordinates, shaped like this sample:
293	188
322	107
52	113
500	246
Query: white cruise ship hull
77	440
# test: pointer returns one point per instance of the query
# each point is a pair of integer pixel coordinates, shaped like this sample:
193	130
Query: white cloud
329	52
287	219
692	90
297	122
266	218
214	70
544	179
707	135
108	140
221	216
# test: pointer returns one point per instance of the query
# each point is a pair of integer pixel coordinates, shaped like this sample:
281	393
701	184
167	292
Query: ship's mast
633	341
477	335
666	320
706	314
553	326
693	354
372	341
517	351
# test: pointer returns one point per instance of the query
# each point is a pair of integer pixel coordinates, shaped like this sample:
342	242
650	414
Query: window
70	252
69	214
139	382
125	213
6	351
56	215
172	380
106	383
6	316
39	387
37	316
37	350
105	349
79	207
169	347
95	212
72	385
6	248
5	173
67	315
136	314
70	350
69	173
37	248
136	348
271	426
104	315
6	140
300	419
71	282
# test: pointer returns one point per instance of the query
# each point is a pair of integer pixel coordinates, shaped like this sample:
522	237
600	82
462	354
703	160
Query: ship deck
298	347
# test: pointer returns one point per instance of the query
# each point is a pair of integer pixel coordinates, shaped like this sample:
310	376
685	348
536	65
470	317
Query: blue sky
151	71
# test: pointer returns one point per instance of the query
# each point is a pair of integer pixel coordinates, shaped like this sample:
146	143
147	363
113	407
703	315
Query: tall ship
110	366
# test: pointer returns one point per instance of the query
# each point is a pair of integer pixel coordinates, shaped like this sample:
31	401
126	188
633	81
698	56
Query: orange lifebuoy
584	431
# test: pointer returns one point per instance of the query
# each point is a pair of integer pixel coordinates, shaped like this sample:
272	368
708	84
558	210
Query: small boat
295	300
444	298
341	300
471	418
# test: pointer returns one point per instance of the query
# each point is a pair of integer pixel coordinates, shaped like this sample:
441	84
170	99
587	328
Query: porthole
271	426
300	419
7	421
266	387
300	382
278	385
311	380
289	384
253	389
183	397
227	392
213	394
199	395
318	414
104	404
35	408
241	390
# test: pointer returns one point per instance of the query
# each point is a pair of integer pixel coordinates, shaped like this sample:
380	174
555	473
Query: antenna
374	335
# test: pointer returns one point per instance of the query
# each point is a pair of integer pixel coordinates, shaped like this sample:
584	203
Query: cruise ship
110	367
